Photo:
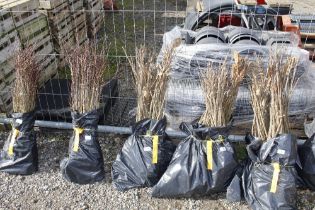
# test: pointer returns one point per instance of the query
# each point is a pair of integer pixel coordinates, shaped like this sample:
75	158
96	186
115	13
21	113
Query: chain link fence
117	25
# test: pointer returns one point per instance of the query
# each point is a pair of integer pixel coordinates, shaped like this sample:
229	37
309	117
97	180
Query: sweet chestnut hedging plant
150	79
270	90
220	84
87	63
25	86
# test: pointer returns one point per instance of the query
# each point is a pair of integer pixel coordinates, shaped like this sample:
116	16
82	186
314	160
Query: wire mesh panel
120	26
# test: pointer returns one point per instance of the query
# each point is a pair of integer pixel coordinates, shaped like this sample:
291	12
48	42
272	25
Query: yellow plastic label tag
209	154
77	132
275	177
15	134
155	150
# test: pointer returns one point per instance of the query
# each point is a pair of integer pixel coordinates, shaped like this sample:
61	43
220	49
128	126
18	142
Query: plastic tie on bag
155	146
210	151
12	141
155	149
209	154
275	177
78	132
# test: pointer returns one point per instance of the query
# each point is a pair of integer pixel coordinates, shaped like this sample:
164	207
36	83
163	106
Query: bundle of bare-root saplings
269	176
148	151
19	155
205	162
85	163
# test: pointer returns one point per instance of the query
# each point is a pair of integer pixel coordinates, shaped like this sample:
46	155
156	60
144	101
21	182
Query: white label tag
222	149
147	149
19	121
88	137
281	151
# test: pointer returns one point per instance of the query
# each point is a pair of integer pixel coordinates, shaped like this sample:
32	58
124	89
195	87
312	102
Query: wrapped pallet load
185	101
85	163
19	154
268	177
205	162
148	151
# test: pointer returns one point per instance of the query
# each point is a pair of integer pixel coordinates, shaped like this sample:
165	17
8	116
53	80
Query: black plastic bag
307	158
144	156
269	178
85	164
19	154
199	166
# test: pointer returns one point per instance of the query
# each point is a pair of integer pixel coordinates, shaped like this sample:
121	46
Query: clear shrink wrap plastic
184	97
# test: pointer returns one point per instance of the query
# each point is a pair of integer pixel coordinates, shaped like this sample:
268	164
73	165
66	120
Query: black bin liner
85	164
19	154
135	165
189	173
307	158
270	163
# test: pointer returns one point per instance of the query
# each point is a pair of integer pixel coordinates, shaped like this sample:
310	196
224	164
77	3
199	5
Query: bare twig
220	86
87	64
26	83
150	81
270	92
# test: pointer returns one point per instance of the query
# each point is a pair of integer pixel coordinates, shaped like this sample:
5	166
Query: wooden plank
308	46
6	105
19	5
33	28
50	4
44	49
248	2
8	45
6	22
64	29
79	18
6	68
81	33
49	69
22	11
75	5
95	27
94	4
58	14
308	35
21	18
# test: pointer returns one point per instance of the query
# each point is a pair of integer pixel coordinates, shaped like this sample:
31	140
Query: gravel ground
47	190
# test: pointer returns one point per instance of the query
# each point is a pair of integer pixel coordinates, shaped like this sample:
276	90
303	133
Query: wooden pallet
76	5
22	11
8	44
95	27
81	33
79	17
58	14
6	22
94	16
32	30
6	69
49	68
50	4
94	9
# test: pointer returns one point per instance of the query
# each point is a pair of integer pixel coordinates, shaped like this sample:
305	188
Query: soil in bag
269	177
307	158
19	154
203	163
85	164
144	156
